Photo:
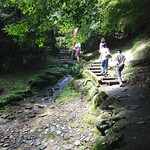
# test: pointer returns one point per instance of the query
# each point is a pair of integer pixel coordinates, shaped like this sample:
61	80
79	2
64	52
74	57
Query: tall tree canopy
37	17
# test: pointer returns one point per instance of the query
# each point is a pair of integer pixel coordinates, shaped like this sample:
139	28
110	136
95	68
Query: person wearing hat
120	65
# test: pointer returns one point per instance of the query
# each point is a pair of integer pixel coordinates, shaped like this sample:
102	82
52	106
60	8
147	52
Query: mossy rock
100	145
91	93
102	95
109	101
96	100
77	84
99	98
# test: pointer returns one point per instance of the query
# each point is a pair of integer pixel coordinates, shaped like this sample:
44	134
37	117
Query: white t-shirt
121	57
104	52
77	46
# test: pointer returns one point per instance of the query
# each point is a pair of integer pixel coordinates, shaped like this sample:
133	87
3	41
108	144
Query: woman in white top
104	59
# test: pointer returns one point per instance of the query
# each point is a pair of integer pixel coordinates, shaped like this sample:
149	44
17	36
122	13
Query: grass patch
68	94
90	119
20	85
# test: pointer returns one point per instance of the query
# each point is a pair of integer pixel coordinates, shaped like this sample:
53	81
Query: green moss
99	146
90	119
50	136
95	111
91	93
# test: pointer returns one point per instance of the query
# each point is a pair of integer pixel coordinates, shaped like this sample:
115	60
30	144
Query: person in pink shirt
78	49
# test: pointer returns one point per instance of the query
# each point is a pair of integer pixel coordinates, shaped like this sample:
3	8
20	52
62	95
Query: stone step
64	57
94	68
64	53
96	71
107	78
109	82
99	74
96	62
95	65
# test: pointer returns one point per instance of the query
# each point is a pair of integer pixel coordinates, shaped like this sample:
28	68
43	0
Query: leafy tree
108	17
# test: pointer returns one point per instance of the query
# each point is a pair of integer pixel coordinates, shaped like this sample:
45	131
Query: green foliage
99	146
103	16
16	87
77	69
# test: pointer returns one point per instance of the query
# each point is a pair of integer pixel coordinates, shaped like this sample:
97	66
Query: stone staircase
94	71
64	55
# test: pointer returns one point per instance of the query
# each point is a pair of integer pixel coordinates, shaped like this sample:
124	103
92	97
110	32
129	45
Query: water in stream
33	106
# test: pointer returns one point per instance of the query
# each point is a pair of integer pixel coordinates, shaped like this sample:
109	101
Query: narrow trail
135	107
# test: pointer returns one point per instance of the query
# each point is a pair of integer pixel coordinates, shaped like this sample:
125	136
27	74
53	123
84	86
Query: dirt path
135	106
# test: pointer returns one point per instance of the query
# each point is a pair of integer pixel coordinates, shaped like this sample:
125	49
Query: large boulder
99	98
77	84
109	101
91	93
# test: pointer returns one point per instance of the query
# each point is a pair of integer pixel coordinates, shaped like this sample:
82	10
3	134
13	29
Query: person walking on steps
102	42
78	49
104	59
120	65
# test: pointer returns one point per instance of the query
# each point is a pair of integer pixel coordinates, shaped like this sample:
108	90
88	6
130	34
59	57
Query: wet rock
32	101
46	98
28	107
51	107
11	117
51	94
43	147
5	116
32	115
6	145
41	106
56	88
39	111
117	117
